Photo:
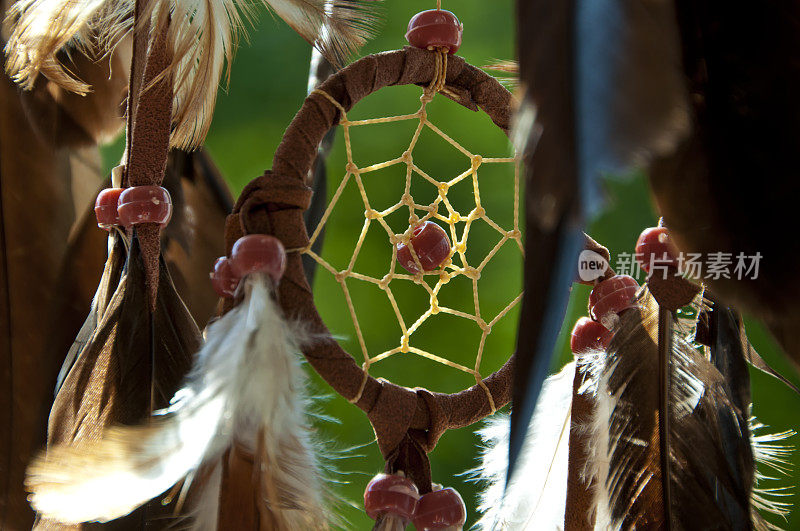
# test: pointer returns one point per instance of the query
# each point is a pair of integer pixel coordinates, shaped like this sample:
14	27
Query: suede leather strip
407	422
148	130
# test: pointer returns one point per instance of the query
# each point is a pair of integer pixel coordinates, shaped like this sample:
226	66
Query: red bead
258	253
389	493
611	297
105	208
654	246
588	335
430	243
435	28
440	509
223	279
144	204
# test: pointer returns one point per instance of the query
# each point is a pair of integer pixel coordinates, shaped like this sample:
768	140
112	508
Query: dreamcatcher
249	442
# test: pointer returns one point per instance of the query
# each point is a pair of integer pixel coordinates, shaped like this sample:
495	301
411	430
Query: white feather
246	381
536	496
202	36
600	445
205	508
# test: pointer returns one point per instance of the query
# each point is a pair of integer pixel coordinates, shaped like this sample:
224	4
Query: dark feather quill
545	138
711	466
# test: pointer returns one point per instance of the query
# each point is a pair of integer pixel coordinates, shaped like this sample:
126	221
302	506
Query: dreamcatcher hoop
274	204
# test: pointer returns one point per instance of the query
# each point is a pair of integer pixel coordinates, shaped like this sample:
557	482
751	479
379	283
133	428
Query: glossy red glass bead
144	204
431	245
440	509
654	246
588	335
611	297
223	279
435	28
393	494
105	207
258	252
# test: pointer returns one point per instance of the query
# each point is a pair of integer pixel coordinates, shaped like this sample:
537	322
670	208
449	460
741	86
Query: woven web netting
441	211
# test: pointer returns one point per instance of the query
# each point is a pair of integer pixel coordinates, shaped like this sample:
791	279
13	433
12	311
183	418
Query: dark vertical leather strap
149	125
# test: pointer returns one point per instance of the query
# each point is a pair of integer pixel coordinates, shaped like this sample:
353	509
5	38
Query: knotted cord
452	217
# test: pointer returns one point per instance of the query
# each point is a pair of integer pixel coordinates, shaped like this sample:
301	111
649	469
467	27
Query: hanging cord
149	124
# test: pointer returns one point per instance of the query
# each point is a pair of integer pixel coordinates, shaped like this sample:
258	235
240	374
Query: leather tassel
245	393
536	495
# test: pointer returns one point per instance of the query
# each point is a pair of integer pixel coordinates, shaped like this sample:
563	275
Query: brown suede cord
407	422
148	131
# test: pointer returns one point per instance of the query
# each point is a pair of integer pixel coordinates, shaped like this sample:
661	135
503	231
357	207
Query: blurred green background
267	86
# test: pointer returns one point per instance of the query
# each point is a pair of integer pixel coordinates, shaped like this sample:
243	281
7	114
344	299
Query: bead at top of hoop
435	28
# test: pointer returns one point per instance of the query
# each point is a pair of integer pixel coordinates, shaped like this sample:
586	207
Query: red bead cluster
250	254
133	206
395	496
431	245
608	299
612	296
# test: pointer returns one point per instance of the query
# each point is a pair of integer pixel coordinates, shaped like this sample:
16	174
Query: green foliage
267	86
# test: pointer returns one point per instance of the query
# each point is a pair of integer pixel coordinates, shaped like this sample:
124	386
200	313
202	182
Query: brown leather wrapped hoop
407	422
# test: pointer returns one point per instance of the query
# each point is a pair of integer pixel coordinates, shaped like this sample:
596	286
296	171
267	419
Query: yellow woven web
455	265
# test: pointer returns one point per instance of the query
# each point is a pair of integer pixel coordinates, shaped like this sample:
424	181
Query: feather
709	471
243	390
202	37
769	452
192	240
116	378
536	495
112	272
511	68
545	132
630	95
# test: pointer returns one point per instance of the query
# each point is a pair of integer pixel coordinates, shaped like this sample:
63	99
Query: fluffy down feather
536	496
